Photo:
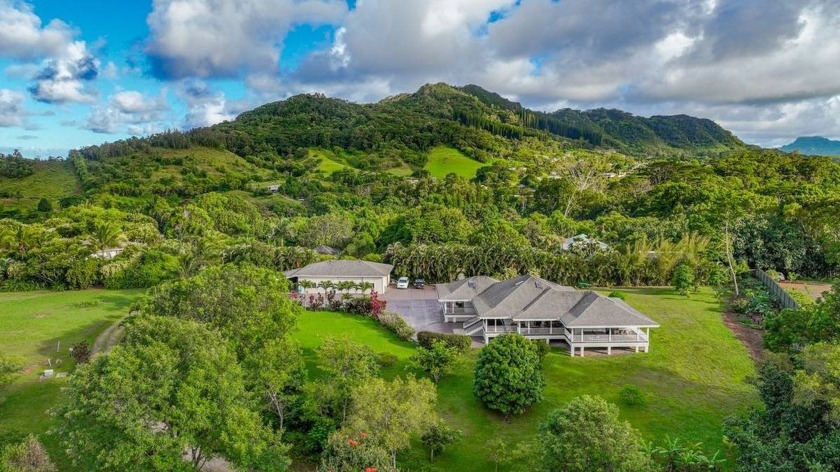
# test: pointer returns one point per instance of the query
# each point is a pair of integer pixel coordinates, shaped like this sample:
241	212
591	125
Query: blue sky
81	72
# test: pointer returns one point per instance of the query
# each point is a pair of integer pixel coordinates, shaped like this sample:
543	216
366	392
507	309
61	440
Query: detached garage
341	270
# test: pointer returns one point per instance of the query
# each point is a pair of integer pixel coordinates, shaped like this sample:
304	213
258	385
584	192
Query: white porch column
572	350
609	338
609	350
581	351
637	349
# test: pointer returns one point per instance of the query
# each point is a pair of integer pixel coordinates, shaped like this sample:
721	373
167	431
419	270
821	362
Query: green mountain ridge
813	146
402	128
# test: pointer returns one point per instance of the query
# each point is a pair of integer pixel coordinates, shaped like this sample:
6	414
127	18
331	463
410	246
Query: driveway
419	308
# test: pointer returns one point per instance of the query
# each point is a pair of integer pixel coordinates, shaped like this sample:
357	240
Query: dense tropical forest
440	183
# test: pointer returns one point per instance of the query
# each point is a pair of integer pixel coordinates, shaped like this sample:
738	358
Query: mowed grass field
52	180
32	324
444	161
694	376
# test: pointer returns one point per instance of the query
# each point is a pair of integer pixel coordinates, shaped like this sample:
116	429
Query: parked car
419	283
402	282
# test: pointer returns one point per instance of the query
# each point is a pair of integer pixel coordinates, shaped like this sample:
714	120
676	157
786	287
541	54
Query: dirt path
105	341
752	339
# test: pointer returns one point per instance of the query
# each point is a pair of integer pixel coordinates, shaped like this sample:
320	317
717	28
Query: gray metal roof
465	289
529	298
504	299
342	268
597	311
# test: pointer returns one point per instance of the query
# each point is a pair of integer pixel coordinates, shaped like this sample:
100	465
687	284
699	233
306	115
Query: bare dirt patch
41	315
751	338
105	341
812	289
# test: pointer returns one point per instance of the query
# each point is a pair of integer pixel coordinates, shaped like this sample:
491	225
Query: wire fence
776	290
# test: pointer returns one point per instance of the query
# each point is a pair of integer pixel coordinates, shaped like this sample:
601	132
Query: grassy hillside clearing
329	161
32	325
444	161
52	180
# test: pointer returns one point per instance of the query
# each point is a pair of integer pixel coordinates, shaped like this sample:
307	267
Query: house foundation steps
473	325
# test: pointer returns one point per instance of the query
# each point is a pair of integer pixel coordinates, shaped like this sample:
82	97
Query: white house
341	270
582	241
107	253
539	309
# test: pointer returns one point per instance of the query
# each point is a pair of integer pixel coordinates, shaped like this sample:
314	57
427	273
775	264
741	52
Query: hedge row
459	342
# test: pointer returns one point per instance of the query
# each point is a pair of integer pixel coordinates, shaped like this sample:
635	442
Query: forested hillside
660	192
814	146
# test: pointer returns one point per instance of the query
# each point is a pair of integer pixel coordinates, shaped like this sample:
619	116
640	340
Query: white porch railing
501	329
606	338
458	311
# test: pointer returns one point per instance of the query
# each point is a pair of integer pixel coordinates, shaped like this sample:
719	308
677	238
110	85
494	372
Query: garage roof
342	268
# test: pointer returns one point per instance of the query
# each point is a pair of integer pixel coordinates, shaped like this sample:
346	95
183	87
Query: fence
776	290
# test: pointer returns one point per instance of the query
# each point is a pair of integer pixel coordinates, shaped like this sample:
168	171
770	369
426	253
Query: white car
402	282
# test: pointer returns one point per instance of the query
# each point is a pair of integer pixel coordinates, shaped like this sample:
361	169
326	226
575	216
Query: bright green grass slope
694	376
316	326
52	180
445	160
328	165
31	325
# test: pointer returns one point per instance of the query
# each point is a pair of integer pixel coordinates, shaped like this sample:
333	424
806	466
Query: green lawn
693	377
52	180
31	326
445	160
328	165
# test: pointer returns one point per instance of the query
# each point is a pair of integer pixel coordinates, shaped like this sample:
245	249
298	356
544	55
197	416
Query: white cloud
130	111
65	78
220	38
11	109
205	106
22	35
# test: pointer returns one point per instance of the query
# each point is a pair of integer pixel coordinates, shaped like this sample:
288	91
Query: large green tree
797	427
508	374
394	412
437	360
249	305
348	365
170	398
586	435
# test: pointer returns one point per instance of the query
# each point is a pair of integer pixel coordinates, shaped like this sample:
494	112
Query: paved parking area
419	308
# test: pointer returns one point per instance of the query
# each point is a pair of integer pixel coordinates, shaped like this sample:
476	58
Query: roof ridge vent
538	284
517	284
471	282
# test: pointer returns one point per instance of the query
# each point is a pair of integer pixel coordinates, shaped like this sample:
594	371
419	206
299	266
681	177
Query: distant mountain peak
814	146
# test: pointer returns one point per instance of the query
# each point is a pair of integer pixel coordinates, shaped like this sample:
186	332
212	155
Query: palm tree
326	285
20	239
105	235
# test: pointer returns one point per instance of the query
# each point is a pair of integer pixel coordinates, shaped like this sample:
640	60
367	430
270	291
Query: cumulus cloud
66	78
129	111
219	38
11	109
723	59
207	106
22	35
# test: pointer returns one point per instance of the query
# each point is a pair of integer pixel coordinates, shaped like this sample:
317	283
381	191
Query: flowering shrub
394	323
